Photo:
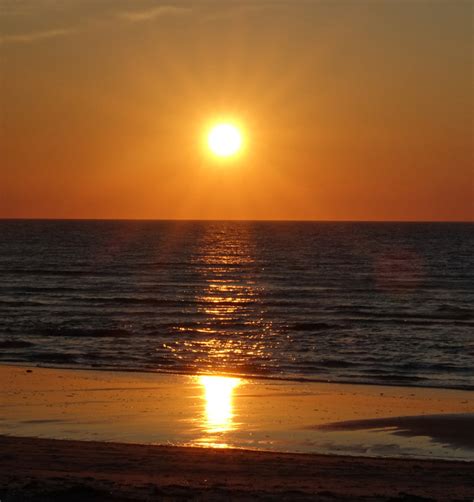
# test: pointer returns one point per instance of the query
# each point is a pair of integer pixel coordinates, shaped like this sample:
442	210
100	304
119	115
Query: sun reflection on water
227	328
218	394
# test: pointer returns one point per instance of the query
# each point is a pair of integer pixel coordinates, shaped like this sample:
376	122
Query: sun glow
224	140
218	395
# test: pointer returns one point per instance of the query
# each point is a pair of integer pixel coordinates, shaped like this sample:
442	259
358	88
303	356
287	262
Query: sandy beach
42	469
100	435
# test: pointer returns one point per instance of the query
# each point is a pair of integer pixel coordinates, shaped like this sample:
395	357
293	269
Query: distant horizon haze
232	220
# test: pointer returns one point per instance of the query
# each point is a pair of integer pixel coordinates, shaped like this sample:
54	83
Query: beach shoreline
227	412
292	378
120	436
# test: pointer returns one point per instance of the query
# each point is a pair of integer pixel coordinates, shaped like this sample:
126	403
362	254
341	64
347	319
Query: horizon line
232	220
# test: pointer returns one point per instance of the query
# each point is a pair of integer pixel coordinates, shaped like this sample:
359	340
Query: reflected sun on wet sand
226	412
218	394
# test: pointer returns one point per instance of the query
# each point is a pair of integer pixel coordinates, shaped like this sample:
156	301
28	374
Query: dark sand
48	469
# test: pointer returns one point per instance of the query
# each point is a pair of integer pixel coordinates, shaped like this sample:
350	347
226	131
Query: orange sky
352	109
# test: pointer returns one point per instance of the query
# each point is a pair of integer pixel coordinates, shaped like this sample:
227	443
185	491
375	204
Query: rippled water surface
358	302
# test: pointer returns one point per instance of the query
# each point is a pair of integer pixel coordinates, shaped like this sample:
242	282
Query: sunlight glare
218	395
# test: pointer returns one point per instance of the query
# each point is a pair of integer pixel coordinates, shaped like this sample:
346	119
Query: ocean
381	303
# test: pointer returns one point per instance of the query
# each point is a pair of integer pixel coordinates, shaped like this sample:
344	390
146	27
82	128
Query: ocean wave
15	344
53	357
277	300
82	332
313	326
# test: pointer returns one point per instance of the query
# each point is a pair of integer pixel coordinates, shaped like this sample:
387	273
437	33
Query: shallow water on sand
229	412
383	303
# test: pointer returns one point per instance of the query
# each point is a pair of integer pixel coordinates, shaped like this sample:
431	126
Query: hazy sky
351	109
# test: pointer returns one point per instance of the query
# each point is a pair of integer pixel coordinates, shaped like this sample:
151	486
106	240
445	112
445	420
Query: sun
224	140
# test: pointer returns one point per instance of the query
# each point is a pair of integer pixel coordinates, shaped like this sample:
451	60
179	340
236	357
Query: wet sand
42	410
224	412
